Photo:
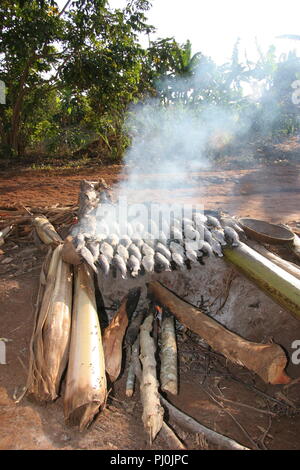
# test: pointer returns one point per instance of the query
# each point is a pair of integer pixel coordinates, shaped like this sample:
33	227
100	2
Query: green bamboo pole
282	286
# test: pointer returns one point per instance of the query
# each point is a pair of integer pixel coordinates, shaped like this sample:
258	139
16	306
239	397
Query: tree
84	46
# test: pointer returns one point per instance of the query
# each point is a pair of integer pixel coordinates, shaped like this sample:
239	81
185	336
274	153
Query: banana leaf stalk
51	337
85	390
282	286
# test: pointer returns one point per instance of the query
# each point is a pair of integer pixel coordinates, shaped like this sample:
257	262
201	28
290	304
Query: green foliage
72	75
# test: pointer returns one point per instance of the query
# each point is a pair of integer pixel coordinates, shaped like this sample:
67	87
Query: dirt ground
225	398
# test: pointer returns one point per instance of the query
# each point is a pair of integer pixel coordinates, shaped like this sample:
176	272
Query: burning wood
114	334
266	360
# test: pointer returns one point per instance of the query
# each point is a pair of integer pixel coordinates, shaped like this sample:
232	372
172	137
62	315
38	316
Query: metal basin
266	232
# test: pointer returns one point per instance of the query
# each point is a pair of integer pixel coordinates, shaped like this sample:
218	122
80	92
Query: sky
213	26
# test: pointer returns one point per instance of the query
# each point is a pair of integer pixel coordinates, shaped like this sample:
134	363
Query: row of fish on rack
170	246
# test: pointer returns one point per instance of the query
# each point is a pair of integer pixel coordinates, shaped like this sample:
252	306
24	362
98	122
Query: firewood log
153	412
266	360
114	334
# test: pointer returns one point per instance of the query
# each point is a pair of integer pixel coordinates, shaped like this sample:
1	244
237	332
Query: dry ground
269	192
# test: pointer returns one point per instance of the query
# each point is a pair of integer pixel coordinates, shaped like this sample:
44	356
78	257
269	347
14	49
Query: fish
199	218
123	252
162	237
148	263
147	250
100	237
207	236
107	250
231	236
175	223
163	250
217	248
134	250
213	222
162	261
136	237
149	240
134	265
219	236
88	257
120	265
104	264
176	234
206	248
79	241
178	259
113	239
125	240
191	255
191	233
94	248
176	248
186	221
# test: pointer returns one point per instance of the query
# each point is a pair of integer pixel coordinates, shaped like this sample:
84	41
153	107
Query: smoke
176	135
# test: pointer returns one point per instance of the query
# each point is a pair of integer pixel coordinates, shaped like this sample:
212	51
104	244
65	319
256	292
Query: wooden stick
170	437
266	360
135	349
168	355
188	422
114	334
195	427
152	411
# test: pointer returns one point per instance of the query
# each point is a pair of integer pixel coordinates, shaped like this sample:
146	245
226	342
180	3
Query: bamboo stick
152	411
266	360
282	263
277	283
168	356
85	390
